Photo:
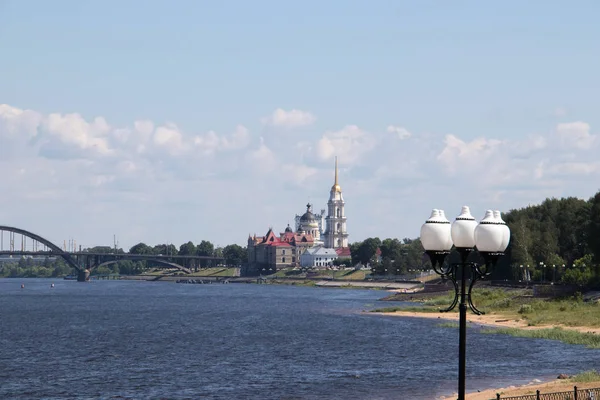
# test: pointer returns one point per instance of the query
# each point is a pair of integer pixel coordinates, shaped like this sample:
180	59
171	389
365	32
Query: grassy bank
518	304
590	340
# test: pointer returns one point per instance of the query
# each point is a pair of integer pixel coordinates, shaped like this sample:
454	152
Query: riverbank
491	320
554	386
403	287
496	321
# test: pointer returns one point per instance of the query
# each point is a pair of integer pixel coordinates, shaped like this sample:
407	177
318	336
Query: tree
234	254
366	251
594	227
165	250
187	249
207	249
103	250
141	248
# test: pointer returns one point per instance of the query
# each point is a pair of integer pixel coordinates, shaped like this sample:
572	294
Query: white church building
317	257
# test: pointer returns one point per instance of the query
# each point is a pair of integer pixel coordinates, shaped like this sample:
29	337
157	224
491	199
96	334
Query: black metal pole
462	345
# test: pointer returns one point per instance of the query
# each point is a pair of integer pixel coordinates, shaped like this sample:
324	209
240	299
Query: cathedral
315	235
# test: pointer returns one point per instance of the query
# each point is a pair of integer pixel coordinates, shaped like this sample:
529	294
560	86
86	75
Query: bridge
84	262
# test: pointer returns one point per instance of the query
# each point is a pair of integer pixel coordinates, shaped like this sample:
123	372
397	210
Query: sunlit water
143	340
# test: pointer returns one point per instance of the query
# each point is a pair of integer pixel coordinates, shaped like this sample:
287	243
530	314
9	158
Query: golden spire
336	187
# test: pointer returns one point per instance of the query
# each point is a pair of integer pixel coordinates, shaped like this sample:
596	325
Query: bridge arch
166	263
49	244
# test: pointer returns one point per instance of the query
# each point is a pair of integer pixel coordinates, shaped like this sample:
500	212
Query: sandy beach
558	385
488	320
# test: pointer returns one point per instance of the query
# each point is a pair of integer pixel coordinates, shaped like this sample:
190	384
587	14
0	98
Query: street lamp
490	238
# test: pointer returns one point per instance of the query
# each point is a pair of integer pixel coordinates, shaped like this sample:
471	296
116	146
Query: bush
525	309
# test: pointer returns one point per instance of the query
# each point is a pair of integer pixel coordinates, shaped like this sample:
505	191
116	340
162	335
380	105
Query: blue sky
498	100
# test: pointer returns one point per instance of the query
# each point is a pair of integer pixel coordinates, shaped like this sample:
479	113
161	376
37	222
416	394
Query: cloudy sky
169	121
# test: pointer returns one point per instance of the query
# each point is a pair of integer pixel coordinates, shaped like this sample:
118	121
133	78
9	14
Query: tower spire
336	186
336	173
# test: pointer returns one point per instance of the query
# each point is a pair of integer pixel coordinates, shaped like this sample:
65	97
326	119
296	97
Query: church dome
288	229
308	216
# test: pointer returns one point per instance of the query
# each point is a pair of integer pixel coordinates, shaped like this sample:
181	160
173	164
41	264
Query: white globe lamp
463	229
435	232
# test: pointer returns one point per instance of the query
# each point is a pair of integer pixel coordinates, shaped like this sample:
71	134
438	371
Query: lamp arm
475	276
452	277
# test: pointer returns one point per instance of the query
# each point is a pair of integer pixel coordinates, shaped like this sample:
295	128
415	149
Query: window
282	259
339	212
283	251
293	259
339	227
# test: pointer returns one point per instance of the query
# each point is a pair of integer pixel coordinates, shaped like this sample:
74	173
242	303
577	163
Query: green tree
594	227
365	252
234	254
207	249
141	248
187	249
165	250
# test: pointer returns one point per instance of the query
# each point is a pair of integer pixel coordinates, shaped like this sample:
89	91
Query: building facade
336	235
316	257
326	234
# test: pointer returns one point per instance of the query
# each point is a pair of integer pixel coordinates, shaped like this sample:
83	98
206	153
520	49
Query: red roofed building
269	253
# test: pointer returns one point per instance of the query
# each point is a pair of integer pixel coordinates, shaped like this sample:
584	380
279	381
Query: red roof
343	252
278	244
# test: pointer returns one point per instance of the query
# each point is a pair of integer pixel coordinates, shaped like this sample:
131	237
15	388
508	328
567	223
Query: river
147	340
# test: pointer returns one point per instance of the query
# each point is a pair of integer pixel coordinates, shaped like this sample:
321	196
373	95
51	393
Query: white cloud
349	144
262	159
132	177
169	137
402	133
458	154
289	119
575	134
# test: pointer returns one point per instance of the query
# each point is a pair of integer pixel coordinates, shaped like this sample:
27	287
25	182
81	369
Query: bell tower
336	235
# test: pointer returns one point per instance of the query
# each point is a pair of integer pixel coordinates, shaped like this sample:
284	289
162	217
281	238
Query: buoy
22	286
52	285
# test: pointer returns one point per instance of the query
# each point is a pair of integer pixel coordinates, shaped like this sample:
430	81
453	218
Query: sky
169	121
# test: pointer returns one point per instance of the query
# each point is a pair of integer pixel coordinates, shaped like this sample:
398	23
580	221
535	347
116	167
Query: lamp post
490	238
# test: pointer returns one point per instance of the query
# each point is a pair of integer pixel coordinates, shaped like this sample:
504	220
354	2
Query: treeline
389	256
558	240
233	254
28	267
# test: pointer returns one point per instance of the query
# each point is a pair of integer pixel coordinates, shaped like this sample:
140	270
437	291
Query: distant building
316	257
270	253
336	235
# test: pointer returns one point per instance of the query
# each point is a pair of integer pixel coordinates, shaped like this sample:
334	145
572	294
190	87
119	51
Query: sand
559	385
489	320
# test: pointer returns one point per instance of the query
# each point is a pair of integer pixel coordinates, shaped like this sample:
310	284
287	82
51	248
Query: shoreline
500	321
551	386
492	320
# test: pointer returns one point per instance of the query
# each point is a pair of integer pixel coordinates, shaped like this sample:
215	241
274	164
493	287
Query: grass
589	340
214	272
587	376
448	325
519	304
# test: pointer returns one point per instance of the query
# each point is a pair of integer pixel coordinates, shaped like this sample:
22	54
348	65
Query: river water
147	340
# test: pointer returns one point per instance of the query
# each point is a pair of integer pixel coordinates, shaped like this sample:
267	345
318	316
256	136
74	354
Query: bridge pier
83	275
